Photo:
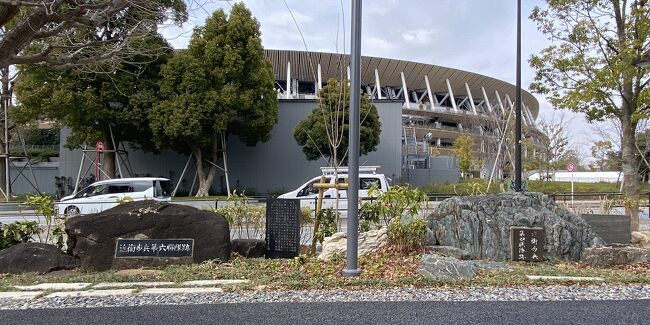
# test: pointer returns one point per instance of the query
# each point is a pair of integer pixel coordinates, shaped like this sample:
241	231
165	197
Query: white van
103	195
307	194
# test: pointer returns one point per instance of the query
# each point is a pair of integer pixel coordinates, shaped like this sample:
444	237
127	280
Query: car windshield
309	188
162	189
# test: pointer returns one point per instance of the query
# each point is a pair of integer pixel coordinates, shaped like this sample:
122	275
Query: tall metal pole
6	102
518	105
352	269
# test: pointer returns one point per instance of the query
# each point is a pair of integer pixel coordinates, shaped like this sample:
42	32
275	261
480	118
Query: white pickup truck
307	194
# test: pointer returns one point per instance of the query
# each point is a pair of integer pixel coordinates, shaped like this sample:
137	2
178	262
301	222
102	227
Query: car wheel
72	211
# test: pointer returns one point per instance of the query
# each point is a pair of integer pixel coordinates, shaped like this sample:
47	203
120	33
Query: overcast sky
472	35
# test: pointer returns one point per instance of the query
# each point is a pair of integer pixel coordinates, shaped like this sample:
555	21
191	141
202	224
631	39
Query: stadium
423	108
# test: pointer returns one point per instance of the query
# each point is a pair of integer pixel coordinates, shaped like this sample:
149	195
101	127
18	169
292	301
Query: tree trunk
205	176
630	169
109	156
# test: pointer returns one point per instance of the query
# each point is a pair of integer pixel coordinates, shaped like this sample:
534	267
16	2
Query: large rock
641	238
615	255
248	247
446	268
35	257
450	251
369	242
92	238
450	268
481	225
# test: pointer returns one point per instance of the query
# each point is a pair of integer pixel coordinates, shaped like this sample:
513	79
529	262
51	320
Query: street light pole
518	105
352	270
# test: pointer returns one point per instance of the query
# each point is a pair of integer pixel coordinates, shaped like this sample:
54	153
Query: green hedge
471	186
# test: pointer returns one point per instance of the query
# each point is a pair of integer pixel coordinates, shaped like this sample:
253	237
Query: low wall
613	229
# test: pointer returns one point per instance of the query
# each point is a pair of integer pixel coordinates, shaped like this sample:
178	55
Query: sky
472	35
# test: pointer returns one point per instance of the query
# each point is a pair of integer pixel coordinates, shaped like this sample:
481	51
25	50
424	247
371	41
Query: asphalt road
522	313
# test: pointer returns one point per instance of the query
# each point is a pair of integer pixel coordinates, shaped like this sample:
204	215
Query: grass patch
200	198
381	270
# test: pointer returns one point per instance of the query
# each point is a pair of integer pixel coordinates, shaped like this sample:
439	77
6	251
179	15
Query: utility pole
6	103
352	270
518	105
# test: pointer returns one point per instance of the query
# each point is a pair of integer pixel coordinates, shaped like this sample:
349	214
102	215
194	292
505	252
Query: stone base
249	248
124	263
615	255
450	268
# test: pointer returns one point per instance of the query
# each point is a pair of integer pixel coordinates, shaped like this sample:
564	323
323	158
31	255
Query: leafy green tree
93	105
571	156
463	149
588	68
324	133
607	159
221	85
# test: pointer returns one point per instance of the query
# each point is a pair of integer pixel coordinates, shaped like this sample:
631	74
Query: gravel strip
529	293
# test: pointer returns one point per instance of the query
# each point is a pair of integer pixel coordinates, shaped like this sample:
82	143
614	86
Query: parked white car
106	194
307	194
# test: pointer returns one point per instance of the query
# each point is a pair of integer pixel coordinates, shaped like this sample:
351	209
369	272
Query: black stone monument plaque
282	228
139	248
527	244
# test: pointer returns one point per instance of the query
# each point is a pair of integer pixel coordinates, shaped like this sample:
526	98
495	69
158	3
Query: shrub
407	236
17	232
54	227
369	215
327	225
245	219
398	201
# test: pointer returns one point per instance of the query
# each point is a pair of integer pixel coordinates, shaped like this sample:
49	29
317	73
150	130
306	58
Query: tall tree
589	69
96	107
89	34
221	85
324	133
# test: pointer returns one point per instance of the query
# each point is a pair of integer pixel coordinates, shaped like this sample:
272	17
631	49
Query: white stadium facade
422	108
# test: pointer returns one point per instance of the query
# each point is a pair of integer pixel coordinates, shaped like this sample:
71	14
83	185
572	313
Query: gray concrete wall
279	165
45	172
275	166
442	169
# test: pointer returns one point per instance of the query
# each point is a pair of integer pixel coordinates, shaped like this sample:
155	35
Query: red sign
570	167
99	146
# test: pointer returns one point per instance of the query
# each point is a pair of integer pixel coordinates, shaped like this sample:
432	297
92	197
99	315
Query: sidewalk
71	290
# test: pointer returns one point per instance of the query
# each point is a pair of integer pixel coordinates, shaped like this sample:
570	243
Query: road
565	312
7	219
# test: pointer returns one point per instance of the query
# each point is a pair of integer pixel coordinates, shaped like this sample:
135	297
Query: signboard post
282	228
570	167
527	244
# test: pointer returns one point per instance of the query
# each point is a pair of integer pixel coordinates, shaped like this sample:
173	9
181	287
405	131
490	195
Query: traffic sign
570	167
99	146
